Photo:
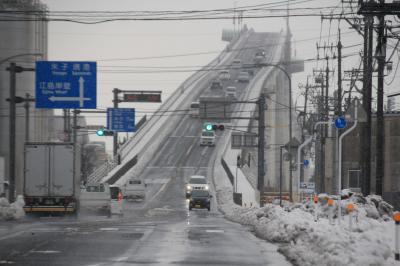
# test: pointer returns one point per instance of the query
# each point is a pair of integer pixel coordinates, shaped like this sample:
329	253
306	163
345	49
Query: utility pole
339	91
115	136
261	145
13	69
303	127
12	124
380	138
365	149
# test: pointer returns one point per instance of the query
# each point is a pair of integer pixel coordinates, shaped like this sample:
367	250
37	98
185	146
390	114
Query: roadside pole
115	136
330	211
305	143
339	177
280	175
396	218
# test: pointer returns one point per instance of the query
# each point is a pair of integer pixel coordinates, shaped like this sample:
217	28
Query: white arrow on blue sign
69	85
340	123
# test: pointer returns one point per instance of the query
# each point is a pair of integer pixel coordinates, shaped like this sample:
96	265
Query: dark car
216	84
200	199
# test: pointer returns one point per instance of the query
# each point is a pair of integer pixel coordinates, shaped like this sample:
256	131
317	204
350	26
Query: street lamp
20	55
290	123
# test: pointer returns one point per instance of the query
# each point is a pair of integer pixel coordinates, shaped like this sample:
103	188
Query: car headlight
189	187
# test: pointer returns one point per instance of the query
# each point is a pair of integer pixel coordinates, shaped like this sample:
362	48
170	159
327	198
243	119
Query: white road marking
109	229
157	181
183	136
203	152
174	167
161	189
215	231
45	251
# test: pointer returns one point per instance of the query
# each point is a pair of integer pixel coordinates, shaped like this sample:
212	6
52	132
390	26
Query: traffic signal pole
115	137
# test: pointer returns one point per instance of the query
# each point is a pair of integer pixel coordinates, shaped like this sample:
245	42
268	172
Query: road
157	231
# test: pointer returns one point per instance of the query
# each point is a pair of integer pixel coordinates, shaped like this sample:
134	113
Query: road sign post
121	119
339	177
69	85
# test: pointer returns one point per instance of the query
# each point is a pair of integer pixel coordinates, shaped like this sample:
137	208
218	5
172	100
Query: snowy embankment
13	211
370	241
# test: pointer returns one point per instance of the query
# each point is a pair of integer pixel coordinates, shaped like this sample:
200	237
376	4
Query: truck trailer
51	177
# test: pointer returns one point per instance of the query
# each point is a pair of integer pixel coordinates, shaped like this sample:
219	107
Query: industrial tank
23	32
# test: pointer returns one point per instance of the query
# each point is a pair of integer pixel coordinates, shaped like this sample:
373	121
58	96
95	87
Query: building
351	169
23	41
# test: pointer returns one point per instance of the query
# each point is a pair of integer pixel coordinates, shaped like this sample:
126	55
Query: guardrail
227	170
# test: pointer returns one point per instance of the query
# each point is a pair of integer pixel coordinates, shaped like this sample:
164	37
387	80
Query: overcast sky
130	39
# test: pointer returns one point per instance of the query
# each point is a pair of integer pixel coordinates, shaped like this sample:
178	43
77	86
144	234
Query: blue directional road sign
70	85
121	119
306	162
340	123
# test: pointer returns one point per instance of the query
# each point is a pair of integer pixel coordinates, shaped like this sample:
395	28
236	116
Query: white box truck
51	177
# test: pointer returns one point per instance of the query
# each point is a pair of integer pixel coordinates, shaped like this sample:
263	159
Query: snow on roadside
13	211
306	242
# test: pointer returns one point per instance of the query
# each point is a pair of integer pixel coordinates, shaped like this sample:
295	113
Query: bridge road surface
158	231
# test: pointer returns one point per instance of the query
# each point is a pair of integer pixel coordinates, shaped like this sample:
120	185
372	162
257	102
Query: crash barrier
141	122
108	166
237	198
227	170
396	218
269	197
124	168
102	171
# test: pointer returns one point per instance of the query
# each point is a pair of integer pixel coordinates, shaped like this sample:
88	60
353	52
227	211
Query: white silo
23	31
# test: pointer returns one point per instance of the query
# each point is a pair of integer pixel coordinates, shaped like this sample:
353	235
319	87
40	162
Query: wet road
157	231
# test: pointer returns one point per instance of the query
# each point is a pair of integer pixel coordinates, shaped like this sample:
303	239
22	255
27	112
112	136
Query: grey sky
69	41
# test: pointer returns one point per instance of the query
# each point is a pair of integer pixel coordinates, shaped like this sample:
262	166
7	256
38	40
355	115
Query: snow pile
13	211
303	241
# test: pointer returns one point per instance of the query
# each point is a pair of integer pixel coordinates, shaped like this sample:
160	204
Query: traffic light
103	132
210	127
218	127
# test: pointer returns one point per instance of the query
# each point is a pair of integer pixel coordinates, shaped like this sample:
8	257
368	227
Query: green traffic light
100	132
209	127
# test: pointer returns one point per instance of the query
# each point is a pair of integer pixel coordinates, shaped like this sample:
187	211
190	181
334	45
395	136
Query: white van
207	138
134	189
230	92
195	109
224	75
